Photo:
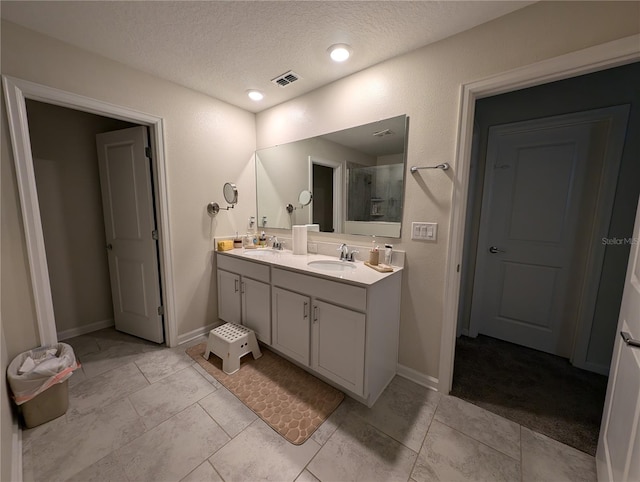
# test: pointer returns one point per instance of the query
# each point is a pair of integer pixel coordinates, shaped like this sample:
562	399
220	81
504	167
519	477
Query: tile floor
140	412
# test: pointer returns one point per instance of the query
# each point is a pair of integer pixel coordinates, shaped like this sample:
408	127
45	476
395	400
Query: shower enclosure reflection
355	178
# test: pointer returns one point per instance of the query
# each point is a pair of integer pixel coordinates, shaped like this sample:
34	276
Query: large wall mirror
355	178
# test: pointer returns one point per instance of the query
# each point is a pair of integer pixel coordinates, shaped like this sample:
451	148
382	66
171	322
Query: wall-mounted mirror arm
230	192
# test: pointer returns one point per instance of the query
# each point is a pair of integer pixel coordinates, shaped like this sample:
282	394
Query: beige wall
63	144
425	85
207	143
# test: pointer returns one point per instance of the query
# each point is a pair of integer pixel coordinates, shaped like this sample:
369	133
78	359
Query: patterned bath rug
291	401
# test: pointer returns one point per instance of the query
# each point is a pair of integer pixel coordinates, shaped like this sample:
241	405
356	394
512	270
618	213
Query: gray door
534	180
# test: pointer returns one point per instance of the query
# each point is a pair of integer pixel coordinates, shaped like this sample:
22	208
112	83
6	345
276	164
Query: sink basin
329	265
259	253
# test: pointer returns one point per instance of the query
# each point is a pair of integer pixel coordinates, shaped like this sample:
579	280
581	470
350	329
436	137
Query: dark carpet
542	392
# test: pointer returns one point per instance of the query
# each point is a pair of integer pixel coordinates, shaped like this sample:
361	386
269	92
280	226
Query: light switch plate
424	231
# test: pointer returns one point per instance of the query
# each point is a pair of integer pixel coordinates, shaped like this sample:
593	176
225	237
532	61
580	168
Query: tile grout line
481	442
484	443
521	458
214	469
413	467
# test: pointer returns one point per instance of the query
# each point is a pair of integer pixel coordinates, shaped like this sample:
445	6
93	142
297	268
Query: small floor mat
291	401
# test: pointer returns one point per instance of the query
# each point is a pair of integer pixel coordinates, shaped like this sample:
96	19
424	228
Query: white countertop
361	275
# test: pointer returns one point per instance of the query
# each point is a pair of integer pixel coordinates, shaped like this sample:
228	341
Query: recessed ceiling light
339	52
255	95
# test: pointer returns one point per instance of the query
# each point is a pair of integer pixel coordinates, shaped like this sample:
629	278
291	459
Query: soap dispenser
237	241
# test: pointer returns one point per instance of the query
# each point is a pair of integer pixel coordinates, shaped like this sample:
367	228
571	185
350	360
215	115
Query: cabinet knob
305	312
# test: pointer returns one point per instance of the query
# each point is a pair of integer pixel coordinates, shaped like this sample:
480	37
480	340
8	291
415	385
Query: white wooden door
256	308
128	204
291	324
229	302
338	341
618	454
532	187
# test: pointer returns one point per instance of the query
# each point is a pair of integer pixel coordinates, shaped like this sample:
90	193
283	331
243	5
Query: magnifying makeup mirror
304	198
230	192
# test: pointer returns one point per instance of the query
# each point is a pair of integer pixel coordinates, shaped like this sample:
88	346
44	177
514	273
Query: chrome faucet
346	254
275	244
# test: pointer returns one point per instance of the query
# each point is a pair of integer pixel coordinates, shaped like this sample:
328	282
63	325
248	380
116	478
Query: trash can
39	381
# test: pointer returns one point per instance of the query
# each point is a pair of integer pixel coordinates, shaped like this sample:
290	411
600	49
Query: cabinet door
256	308
228	296
291	324
338	341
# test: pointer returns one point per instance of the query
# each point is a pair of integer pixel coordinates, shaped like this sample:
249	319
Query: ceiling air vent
286	79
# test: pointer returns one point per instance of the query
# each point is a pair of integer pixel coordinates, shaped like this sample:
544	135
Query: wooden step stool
231	342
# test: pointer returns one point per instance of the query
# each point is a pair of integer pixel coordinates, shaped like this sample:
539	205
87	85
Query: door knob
628	340
494	250
109	246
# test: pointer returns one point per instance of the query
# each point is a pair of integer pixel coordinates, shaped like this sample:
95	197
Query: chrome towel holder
444	166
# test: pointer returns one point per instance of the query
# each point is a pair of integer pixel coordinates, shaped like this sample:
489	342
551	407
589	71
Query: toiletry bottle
263	239
388	252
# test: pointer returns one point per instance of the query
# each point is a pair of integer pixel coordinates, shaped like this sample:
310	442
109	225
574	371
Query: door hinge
154	234
147	152
161	310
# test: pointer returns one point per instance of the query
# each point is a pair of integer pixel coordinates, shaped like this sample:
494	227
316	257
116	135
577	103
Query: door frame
592	59
16	92
338	188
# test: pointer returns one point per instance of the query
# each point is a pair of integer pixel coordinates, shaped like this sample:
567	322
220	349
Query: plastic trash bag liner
33	371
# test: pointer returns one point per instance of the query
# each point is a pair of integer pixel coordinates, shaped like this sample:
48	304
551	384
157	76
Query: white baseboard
16	452
417	377
83	330
198	332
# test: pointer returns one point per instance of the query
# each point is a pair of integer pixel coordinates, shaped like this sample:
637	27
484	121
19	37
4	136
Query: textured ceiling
224	48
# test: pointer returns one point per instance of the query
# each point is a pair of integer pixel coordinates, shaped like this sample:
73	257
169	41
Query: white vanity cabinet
244	295
229	297
353	336
290	323
327	338
338	336
344	331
